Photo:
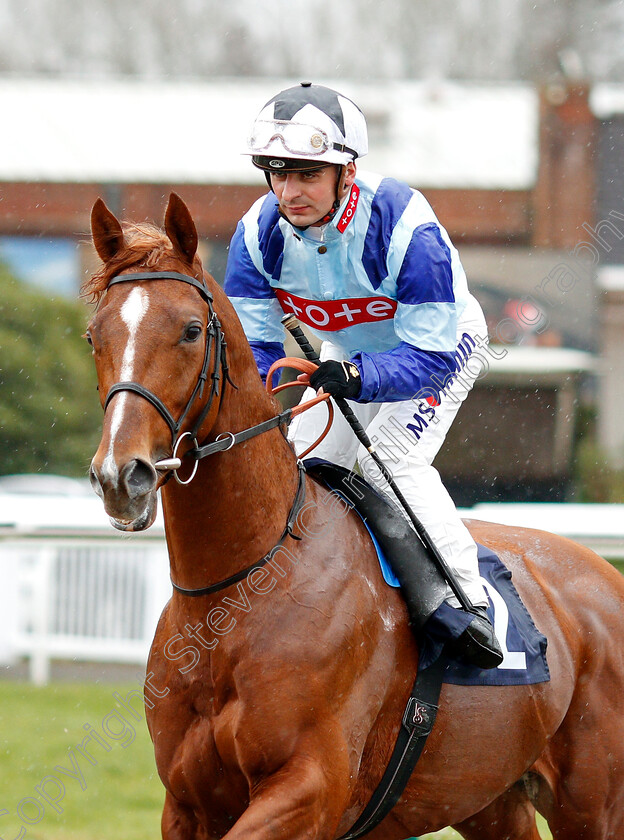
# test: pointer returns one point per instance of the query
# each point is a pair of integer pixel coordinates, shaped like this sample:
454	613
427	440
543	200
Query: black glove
340	379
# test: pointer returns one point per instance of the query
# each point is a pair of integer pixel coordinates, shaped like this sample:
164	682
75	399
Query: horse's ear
108	237
180	228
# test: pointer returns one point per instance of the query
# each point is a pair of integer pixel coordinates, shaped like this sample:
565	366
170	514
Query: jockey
364	264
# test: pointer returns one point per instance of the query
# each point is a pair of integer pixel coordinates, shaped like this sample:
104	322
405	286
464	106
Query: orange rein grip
304	366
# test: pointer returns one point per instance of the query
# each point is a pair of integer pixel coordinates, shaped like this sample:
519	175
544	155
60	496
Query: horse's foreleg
179	823
510	817
303	801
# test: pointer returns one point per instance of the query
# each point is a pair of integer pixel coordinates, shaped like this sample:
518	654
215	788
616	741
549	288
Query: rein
215	337
287	532
227	440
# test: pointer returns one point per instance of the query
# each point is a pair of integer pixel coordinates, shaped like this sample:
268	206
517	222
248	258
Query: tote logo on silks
332	315
349	209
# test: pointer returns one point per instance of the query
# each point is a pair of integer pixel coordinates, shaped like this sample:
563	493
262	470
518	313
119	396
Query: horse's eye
192	333
88	338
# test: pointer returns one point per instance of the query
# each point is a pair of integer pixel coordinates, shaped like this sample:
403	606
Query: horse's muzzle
128	493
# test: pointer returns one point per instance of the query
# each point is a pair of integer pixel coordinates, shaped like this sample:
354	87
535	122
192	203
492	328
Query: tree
49	412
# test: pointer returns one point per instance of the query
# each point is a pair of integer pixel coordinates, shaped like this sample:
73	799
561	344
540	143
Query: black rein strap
287	532
230	439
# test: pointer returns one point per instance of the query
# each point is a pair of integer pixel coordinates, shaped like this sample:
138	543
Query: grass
449	834
118	797
40	730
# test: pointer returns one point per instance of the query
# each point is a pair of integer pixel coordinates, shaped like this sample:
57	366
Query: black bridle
214	338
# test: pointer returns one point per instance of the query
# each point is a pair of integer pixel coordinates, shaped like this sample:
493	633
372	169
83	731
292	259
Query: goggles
296	138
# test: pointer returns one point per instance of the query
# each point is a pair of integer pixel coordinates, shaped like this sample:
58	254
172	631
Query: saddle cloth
524	647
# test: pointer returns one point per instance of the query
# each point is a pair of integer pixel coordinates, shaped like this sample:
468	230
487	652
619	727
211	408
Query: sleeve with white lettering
402	373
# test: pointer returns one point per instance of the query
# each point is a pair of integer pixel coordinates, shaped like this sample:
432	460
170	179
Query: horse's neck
236	507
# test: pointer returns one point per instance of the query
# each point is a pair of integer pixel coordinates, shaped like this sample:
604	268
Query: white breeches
407	436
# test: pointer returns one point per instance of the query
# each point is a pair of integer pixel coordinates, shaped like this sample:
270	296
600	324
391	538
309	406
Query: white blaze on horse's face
132	313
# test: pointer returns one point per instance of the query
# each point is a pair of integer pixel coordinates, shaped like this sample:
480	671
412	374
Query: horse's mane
145	246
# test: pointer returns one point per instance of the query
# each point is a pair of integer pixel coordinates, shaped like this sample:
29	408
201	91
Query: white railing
99	598
597	526
81	599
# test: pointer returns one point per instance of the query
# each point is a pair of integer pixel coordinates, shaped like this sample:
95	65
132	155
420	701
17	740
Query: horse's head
156	342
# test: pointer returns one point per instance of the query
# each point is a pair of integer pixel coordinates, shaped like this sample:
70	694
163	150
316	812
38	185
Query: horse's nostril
95	481
139	478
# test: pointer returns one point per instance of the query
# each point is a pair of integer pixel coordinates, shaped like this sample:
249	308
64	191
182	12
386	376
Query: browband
163	275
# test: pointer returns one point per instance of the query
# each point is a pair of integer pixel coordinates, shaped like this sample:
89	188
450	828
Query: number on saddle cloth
524	647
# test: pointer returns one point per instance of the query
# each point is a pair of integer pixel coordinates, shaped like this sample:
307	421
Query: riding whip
292	325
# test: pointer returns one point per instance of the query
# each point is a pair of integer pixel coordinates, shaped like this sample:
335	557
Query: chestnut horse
274	703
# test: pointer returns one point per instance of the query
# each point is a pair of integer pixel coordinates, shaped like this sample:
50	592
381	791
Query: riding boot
478	644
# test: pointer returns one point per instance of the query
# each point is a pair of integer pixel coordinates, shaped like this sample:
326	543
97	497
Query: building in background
607	238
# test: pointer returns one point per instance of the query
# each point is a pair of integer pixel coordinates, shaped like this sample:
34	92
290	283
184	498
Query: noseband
214	337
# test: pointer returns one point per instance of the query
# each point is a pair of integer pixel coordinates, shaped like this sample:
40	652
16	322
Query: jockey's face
306	197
